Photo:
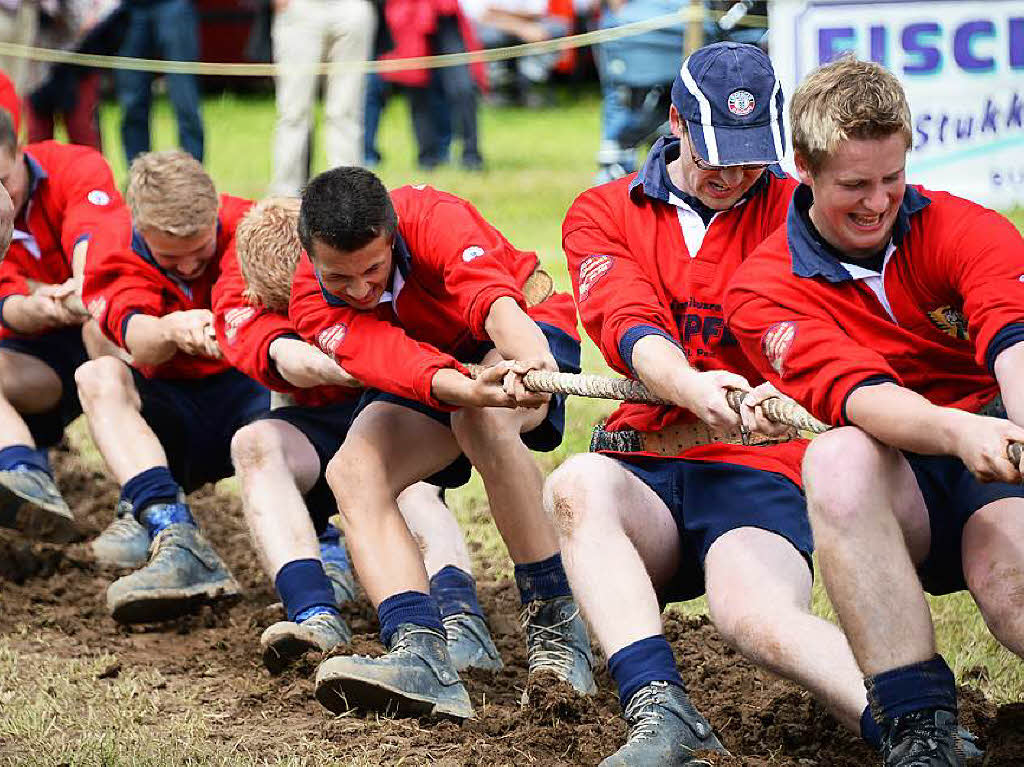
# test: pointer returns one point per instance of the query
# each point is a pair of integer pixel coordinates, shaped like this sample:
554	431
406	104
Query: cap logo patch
775	343
593	269
330	339
741	103
98	197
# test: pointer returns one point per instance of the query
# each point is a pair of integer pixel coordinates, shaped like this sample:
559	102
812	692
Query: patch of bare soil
212	660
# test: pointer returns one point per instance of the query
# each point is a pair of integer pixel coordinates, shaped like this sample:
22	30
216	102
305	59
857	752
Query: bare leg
617	537
759	592
113	408
276	464
993	556
870	528
367	474
490	438
434	528
28	385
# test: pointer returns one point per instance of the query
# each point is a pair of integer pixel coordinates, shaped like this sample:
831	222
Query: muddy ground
212	660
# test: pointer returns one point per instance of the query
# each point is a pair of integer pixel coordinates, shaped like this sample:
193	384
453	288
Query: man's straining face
359	277
184	257
857	193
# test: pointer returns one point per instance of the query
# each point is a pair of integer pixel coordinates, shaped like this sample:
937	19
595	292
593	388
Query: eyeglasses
704	165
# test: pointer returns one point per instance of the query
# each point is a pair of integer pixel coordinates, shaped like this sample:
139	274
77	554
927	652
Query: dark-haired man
62	196
397	289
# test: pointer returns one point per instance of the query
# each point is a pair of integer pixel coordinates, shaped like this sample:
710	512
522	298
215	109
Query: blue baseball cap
732	103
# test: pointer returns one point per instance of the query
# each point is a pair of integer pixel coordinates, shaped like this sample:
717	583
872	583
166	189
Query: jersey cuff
869	381
124	326
3	322
1010	335
634	334
81	238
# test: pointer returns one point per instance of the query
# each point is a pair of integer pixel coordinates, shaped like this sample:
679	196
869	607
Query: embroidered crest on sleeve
473	251
330	338
593	269
776	342
98	197
234	319
950	321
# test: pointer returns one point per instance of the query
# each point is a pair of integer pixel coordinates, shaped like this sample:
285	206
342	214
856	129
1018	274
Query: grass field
537	162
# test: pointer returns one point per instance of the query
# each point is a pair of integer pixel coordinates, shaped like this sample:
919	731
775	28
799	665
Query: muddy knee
567	489
254	446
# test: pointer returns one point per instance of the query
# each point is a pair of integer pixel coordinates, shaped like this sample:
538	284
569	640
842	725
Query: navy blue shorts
325	428
64	352
195	419
708	499
544	438
951	495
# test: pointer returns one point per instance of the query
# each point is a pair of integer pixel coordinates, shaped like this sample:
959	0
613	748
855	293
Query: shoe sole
155	605
284	650
340	693
37	522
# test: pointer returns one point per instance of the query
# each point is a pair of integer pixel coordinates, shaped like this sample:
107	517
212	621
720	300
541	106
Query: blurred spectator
159	29
378	93
19	24
306	33
499	23
72	92
437	27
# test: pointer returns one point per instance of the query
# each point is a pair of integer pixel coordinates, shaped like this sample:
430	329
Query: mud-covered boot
184	573
921	739
287	641
415	678
557	641
470	644
337	565
124	542
31	503
664	729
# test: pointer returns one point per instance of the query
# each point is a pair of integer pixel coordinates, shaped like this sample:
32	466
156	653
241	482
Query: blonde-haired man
281	460
164	424
896	313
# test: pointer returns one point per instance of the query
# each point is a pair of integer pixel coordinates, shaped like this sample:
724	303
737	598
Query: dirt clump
53	602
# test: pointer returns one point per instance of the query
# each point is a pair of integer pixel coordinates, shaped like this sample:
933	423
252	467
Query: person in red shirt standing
675	503
282	456
396	288
164	423
63	197
896	313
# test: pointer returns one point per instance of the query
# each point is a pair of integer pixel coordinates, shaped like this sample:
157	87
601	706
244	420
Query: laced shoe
287	641
557	641
664	729
415	678
184	572
921	739
31	503
470	644
124	542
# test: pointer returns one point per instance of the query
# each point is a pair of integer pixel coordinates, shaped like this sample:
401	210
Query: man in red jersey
396	289
670	508
282	456
896	313
164	423
63	196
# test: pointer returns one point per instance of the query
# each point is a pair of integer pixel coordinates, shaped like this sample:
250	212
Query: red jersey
245	331
71	196
450	266
122	280
949	298
643	261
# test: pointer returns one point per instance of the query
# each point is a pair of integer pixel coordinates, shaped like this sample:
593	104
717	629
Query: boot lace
644	713
548	647
919	741
455	628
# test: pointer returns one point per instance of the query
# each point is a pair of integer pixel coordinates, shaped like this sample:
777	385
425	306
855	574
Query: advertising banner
962	64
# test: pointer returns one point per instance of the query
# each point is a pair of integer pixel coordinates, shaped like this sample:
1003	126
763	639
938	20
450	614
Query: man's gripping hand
192	331
514	382
305	366
704	395
39	313
753	416
982	443
499	385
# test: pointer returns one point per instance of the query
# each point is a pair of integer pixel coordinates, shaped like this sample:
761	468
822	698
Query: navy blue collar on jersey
401	259
142	250
653	179
813	257
35	174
